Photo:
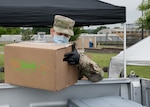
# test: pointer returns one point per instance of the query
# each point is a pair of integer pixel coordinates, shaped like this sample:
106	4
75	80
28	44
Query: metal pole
124	45
142	36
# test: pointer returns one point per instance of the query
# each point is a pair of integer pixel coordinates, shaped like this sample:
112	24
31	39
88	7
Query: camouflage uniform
86	66
89	69
64	25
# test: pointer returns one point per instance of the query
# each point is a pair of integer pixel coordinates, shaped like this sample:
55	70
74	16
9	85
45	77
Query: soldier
62	30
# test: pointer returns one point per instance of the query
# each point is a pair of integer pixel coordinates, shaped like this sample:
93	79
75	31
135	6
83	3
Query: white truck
130	89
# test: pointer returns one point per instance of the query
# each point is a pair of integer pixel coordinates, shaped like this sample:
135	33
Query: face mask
60	39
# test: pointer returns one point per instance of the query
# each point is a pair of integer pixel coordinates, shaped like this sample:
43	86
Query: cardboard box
39	65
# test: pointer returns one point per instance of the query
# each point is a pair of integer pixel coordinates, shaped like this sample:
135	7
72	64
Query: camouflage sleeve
90	69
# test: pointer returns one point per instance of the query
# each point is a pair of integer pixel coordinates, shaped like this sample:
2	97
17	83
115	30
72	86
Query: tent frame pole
124	47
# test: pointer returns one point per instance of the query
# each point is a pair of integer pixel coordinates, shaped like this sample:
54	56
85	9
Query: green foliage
41	29
77	32
2	30
98	29
144	7
94	31
26	35
9	30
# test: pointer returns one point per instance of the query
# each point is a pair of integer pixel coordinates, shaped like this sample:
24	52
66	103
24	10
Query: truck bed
134	89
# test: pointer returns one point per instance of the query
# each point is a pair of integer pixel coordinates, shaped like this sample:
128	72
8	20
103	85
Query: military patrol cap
64	25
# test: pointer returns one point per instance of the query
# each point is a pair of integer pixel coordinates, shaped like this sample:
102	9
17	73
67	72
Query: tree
98	29
2	30
144	20
41	29
26	35
77	32
9	30
94	31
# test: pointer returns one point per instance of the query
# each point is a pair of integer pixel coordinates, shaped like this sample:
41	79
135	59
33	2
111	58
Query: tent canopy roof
42	12
137	54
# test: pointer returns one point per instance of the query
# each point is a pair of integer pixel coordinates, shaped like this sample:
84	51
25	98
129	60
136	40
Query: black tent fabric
32	13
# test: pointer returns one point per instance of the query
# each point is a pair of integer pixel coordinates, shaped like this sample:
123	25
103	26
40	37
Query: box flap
53	46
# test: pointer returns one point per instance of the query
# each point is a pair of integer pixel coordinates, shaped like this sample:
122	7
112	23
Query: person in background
62	31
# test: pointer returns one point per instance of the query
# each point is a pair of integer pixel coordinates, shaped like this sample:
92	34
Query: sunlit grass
142	71
1	65
103	60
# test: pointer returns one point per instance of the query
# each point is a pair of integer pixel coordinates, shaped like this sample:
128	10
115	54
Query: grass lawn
103	59
2	47
2	60
1	65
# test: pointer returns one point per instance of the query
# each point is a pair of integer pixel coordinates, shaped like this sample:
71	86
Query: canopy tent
137	54
30	13
24	13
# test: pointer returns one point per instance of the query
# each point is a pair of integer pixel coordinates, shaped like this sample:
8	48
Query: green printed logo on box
28	66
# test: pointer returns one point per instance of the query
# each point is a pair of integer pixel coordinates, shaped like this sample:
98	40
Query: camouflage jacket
89	69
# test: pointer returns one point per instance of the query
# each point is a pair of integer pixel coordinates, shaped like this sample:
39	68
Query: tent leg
124	46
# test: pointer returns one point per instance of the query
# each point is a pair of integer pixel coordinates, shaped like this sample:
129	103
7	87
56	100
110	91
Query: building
17	38
129	32
97	39
133	34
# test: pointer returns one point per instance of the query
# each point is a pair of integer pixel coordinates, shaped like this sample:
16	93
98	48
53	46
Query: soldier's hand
72	57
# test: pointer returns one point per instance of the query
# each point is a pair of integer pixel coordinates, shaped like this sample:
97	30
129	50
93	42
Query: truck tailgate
145	83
